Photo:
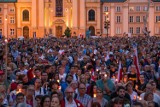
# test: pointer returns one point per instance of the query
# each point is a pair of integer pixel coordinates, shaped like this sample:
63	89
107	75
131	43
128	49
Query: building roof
113	0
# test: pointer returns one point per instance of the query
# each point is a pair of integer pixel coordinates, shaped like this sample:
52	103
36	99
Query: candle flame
94	95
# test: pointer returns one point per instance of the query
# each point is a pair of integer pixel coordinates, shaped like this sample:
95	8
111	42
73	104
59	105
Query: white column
112	20
34	14
82	14
41	13
125	19
151	21
75	13
6	20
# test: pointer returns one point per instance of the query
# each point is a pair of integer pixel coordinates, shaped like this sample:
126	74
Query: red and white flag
119	72
92	75
136	62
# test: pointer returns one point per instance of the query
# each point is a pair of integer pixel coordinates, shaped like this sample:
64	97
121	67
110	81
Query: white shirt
62	77
67	104
39	92
132	95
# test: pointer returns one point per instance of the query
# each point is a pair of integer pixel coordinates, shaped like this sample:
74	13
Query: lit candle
134	97
105	75
58	81
59	87
34	76
94	95
116	80
97	70
94	59
12	81
140	98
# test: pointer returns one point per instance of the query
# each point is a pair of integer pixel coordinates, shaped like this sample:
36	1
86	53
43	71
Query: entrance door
92	29
26	32
58	31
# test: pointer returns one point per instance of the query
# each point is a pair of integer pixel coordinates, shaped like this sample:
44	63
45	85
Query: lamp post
107	23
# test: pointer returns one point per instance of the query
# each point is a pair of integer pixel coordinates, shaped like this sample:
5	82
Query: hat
1	72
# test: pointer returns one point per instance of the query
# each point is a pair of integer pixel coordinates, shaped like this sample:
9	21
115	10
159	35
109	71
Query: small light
116	80
97	70
58	81
140	98
50	80
94	59
105	75
13	81
6	40
94	95
59	87
34	76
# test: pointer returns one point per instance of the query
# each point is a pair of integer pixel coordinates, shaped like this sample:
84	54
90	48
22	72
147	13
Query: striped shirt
84	99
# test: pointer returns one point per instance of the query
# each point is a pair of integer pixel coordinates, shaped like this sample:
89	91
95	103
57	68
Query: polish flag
136	62
92	75
119	72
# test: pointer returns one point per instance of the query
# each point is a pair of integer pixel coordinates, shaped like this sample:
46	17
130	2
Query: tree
67	32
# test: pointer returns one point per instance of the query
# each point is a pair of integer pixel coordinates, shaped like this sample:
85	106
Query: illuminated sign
8	1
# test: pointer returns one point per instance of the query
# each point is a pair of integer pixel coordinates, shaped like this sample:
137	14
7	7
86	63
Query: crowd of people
80	72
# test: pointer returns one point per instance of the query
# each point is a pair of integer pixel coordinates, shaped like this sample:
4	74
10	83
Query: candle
140	98
59	87
97	70
58	81
116	80
94	95
34	76
12	81
134	97
94	59
105	75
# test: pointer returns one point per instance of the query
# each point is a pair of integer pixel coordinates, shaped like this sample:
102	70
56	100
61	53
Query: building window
138	8
130	18
118	30
138	19
91	15
59	8
11	10
145	8
118	9
0	20
11	31
1	32
131	9
157	8
131	30
157	18
118	19
105	9
12	20
138	29
25	15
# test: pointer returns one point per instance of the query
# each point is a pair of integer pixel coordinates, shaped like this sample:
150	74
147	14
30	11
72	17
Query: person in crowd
45	102
55	102
82	96
69	100
38	99
98	97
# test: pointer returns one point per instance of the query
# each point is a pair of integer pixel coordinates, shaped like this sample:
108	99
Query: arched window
91	15
59	8
25	15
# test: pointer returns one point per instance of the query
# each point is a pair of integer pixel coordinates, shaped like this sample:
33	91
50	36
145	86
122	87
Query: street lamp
107	23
